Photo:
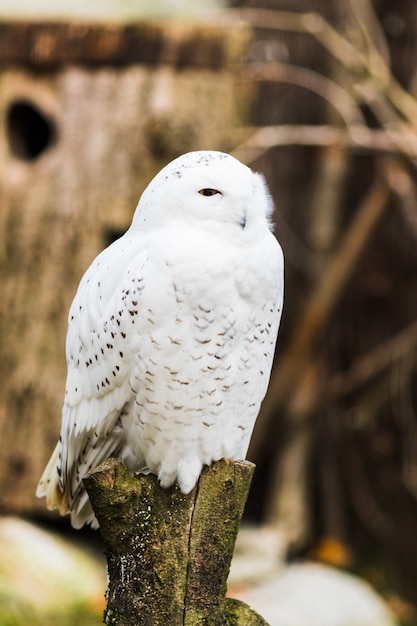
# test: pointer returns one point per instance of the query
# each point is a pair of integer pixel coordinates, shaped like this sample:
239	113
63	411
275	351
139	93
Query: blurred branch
356	138
376	46
403	187
361	66
362	494
367	79
326	199
311	23
369	365
384	111
361	87
295	364
328	89
404	411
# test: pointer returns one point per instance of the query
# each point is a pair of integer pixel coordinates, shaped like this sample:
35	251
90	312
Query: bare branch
312	23
370	27
369	365
403	186
356	62
294	364
329	90
356	138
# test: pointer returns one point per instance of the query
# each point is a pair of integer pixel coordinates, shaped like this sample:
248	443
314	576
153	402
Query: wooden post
169	554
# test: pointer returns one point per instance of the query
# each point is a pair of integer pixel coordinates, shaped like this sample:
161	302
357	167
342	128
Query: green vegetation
17	613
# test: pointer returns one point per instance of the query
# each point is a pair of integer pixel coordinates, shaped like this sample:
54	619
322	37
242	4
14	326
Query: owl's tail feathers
49	488
79	506
82	512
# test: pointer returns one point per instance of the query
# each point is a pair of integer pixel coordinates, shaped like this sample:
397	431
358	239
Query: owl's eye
208	192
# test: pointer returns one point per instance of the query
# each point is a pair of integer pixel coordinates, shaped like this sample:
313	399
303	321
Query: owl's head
205	186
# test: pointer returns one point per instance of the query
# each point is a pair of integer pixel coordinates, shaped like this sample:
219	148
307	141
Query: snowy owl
172	332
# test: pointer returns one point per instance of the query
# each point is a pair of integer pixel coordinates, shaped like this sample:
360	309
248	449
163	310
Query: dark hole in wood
30	132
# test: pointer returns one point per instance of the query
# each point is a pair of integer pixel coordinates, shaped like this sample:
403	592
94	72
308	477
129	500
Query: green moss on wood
240	614
169	554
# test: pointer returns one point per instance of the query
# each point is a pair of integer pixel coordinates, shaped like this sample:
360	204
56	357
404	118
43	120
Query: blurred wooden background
83	130
321	99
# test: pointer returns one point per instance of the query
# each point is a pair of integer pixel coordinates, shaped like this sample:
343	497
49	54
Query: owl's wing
97	392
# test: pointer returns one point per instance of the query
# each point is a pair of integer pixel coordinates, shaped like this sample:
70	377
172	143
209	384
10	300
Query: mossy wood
169	554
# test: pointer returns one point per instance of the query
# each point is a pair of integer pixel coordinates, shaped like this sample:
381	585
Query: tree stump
169	554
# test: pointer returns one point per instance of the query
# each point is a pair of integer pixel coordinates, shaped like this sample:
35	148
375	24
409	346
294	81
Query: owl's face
207	187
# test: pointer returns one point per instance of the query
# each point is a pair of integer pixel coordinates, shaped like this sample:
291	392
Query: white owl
171	334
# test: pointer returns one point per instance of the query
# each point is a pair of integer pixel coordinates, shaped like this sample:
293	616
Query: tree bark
169	554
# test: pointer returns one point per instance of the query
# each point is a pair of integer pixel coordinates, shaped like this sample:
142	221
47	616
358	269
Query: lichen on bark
168	554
